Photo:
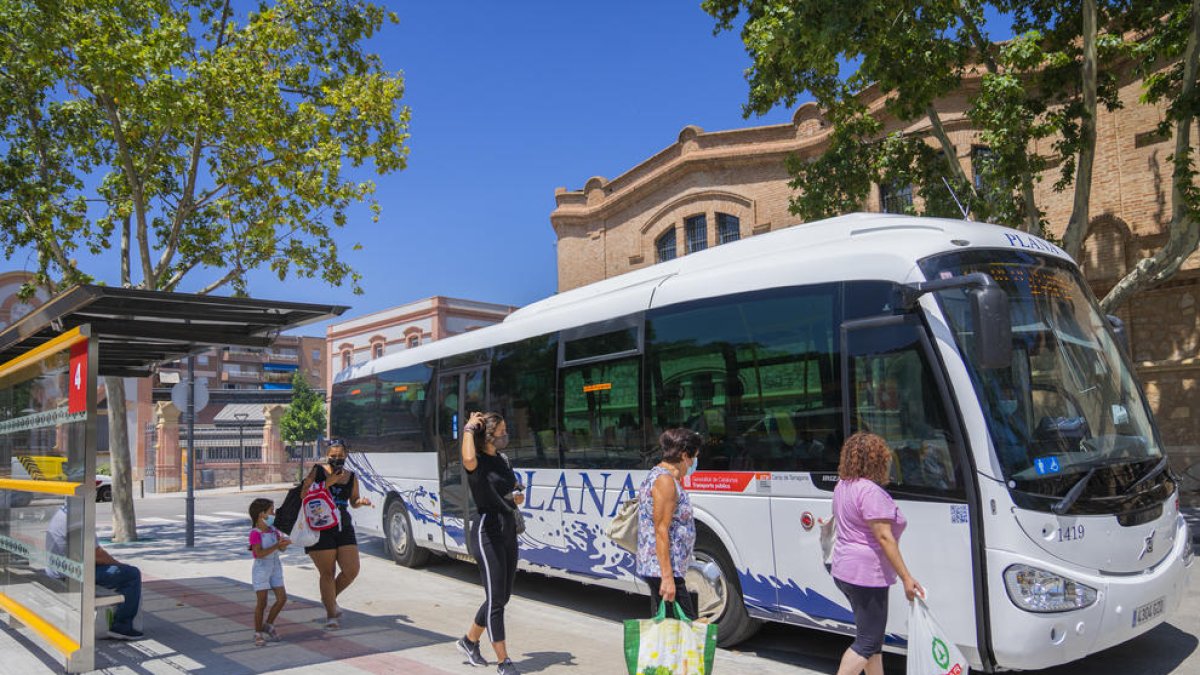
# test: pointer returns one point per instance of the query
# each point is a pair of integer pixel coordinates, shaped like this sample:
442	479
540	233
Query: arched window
413	341
728	228
664	246
345	359
696	229
377	350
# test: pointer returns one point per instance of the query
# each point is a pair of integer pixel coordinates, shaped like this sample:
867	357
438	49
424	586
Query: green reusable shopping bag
662	646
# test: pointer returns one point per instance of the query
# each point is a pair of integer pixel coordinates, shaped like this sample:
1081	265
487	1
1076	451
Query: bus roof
858	246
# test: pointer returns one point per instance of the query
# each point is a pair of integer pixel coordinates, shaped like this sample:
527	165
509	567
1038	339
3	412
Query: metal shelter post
191	454
241	418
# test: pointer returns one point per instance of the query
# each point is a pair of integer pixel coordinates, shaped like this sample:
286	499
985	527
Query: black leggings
870	607
686	602
493	542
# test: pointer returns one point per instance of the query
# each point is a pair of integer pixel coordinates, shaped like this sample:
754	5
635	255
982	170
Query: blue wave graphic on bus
368	476
799	605
422	505
586	551
768	592
453	528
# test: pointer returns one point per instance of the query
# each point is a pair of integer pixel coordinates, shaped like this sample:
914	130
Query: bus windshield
1067	404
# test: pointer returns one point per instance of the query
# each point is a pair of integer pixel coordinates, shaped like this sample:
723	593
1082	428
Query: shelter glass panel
45	411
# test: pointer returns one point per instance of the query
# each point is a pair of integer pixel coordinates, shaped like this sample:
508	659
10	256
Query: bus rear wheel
401	543
719	596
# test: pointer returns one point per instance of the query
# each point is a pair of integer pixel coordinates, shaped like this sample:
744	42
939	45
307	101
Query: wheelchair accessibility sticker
1046	465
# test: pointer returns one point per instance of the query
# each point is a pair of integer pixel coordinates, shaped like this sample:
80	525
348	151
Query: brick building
708	188
249	392
372	335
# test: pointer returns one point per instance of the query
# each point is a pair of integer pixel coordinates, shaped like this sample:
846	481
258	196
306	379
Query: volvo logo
1147	545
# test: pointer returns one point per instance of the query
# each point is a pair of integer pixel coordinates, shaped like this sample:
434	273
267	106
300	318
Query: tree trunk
124	519
1077	226
1184	231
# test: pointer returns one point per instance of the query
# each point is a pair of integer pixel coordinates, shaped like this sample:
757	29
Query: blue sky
510	101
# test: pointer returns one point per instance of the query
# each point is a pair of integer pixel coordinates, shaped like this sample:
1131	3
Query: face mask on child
270	520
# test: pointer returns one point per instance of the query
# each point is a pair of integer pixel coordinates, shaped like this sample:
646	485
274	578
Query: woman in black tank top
492	537
335	554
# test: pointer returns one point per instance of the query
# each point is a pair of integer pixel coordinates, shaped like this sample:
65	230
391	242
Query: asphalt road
1169	649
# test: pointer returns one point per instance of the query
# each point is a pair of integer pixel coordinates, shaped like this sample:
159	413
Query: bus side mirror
989	311
993	327
1119	332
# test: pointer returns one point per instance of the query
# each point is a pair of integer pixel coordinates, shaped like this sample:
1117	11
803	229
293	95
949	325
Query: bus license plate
1148	612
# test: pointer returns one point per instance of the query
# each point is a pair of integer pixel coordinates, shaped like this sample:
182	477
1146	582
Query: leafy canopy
1032	100
191	135
304	420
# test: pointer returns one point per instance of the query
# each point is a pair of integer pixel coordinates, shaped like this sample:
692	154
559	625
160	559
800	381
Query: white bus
1042	517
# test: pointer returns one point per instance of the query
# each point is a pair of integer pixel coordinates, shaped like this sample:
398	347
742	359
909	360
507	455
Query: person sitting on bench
110	573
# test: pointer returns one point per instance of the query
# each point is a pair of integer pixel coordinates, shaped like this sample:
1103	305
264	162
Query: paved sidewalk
199	610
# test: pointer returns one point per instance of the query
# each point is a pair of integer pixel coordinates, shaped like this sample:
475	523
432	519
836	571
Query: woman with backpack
336	552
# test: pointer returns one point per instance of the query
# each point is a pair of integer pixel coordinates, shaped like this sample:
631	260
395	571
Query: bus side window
600	408
894	395
756	374
523	391
402	394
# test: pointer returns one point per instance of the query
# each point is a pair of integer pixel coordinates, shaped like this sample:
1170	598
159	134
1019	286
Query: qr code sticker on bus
959	514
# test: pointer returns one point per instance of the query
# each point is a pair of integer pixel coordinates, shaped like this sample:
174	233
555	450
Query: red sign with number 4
77	379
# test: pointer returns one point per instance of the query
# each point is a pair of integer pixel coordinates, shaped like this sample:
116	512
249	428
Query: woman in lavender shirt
866	559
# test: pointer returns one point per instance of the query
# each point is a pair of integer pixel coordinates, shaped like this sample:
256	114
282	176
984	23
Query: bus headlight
1036	590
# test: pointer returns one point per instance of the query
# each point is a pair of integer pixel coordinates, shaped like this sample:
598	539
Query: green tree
194	139
304	421
1047	84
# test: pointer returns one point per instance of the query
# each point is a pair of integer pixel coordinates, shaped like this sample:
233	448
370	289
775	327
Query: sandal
332	624
260	640
271	633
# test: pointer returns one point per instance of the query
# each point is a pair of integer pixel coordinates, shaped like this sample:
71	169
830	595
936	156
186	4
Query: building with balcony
370	336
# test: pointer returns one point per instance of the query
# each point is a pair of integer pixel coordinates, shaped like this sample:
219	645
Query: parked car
103	488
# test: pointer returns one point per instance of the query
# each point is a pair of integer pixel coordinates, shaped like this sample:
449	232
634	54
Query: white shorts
267	574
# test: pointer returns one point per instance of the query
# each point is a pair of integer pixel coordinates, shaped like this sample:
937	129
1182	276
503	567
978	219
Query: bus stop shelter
50	364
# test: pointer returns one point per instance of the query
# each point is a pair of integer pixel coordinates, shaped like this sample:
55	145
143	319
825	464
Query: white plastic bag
930	651
303	535
828	539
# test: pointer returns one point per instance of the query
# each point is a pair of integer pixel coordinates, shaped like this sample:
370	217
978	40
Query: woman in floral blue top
666	529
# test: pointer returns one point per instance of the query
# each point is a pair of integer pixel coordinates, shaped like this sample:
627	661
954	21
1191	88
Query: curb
267	487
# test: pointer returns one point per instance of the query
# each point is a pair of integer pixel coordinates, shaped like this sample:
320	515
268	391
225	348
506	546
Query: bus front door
459	394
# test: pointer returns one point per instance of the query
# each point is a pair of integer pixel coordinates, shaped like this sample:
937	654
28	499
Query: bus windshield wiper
1158	468
1063	505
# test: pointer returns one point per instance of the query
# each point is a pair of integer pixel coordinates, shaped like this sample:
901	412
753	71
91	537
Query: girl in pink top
866	559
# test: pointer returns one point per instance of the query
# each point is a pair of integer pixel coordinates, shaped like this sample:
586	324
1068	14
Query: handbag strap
662	612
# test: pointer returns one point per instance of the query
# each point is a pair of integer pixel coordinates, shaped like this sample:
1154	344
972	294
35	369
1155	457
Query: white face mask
1008	406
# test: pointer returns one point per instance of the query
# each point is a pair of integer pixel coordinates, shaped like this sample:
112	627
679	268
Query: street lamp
241	418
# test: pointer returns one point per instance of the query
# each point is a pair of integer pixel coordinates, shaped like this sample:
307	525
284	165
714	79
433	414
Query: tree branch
1184	236
982	45
1077	226
125	281
1033	221
951	155
135	187
182	210
229	276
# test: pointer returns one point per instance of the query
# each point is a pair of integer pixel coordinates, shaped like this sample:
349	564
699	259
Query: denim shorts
267	574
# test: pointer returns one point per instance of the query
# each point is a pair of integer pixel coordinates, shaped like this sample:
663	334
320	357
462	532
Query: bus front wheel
719	596
399	536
